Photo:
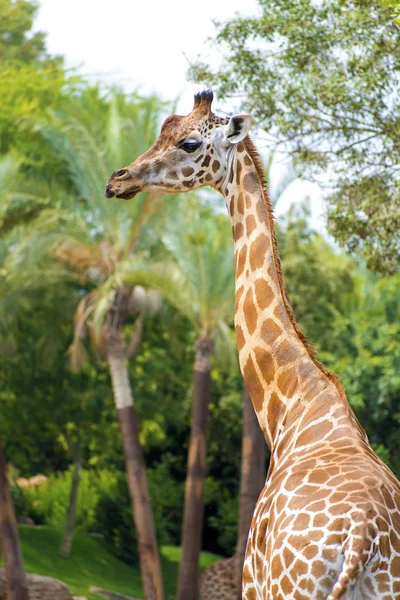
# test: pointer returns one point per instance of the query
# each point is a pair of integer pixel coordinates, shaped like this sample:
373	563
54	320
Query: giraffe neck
279	367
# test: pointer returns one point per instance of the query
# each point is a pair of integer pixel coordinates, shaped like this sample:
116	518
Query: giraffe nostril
109	193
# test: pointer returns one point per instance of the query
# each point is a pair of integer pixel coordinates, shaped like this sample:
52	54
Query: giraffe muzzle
125	195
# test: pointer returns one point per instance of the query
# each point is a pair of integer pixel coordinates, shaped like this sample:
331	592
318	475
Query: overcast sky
146	45
142	44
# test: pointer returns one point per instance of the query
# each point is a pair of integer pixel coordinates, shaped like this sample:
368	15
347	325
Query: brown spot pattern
287	382
253	384
265	363
258	251
250	182
187	171
238	232
264	293
276	410
240	204
251	224
238	295
250	312
241	340
270	331
241	261
238	172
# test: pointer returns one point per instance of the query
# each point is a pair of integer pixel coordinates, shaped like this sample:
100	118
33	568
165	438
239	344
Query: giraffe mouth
127	195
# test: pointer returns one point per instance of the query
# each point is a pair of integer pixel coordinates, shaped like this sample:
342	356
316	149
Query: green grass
91	564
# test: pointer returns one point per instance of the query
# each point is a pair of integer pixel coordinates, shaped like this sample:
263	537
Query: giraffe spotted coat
327	524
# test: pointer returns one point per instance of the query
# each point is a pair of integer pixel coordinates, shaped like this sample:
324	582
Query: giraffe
327	523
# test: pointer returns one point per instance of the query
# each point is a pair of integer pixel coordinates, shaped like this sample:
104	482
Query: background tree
82	238
199	284
30	79
204	292
322	79
364	349
17	587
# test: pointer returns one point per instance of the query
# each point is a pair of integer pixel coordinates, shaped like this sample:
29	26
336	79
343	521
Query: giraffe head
190	152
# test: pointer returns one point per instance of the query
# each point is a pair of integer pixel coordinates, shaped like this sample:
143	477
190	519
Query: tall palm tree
199	283
17	586
80	236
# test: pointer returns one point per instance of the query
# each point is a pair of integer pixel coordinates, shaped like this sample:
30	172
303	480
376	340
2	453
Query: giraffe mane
255	156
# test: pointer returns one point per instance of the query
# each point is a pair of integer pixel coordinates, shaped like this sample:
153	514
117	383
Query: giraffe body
327	524
217	582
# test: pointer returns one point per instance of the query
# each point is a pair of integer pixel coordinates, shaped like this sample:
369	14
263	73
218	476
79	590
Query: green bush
167	497
113	518
48	503
104	506
20	501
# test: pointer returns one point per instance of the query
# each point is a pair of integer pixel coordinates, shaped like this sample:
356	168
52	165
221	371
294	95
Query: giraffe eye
190	146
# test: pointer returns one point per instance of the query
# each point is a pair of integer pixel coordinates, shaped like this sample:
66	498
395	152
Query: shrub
48	503
104	506
113	519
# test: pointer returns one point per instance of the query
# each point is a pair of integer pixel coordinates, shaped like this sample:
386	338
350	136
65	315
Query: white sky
147	45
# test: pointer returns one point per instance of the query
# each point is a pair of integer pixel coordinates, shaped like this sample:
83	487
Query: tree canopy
323	80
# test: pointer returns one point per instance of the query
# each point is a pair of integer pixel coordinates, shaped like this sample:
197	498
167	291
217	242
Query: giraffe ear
237	128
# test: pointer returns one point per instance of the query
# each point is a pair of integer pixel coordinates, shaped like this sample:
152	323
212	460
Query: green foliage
30	80
395	6
365	352
319	281
114	522
222	512
322	79
104	507
48	503
16	40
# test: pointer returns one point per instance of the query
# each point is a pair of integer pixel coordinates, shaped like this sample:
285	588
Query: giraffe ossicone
327	524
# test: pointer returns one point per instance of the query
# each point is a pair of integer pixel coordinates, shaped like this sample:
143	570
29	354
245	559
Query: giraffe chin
127	195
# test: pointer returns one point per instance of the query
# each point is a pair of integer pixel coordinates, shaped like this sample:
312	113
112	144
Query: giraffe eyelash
189	146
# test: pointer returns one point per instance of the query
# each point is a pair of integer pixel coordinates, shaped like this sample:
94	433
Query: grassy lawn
91	564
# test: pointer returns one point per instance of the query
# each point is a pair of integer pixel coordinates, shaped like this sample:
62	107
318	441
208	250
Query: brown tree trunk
17	586
150	566
66	544
192	527
252	479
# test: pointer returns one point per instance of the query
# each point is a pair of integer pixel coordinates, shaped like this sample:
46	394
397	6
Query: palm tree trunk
17	586
66	544
252	479
188	580
150	566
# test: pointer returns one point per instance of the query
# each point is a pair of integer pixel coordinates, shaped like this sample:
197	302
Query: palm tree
199	284
80	236
17	586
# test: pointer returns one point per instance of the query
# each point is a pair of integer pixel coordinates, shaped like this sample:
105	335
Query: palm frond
77	350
